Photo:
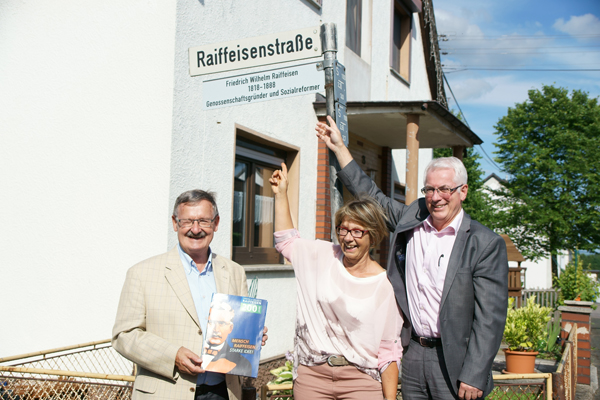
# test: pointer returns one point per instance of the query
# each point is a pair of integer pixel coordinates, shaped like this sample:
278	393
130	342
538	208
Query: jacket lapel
221	275
456	256
175	275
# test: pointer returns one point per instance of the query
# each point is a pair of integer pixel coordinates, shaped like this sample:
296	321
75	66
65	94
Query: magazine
234	335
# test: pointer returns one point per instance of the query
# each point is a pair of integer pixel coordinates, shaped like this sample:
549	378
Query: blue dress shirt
202	285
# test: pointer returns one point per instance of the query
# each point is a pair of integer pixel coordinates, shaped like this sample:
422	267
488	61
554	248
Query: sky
512	36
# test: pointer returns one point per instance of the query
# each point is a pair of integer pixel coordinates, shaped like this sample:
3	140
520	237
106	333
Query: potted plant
525	328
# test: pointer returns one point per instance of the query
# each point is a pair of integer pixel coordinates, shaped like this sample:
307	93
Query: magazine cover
234	334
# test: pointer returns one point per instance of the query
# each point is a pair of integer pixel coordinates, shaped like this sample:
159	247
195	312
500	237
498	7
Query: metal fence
89	371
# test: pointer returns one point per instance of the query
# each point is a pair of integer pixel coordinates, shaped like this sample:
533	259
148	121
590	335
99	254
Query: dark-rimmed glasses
202	223
355	233
442	191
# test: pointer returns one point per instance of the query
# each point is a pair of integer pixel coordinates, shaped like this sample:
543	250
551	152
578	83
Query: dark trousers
424	374
216	392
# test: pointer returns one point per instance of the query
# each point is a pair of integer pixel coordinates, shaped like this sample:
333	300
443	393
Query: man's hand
330	134
188	362
468	392
265	337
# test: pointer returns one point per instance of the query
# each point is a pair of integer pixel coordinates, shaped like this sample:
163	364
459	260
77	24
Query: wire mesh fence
89	371
525	387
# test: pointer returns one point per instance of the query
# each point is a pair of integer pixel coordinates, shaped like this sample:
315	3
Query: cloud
471	89
587	24
454	25
497	91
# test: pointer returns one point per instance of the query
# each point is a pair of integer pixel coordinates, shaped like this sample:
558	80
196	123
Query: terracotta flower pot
520	362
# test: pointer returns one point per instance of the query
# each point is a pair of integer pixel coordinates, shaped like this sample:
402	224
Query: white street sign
244	53
263	86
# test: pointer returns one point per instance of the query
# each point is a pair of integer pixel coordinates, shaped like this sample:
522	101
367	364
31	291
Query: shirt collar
190	265
454	225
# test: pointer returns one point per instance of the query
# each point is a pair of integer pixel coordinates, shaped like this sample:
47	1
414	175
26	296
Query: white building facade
103	126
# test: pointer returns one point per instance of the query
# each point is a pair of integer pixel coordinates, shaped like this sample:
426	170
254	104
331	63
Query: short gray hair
196	196
453	163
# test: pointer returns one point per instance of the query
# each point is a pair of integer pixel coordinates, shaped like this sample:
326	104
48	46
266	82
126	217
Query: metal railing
525	386
88	371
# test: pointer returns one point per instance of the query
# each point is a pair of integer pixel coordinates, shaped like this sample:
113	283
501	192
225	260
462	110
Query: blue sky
514	34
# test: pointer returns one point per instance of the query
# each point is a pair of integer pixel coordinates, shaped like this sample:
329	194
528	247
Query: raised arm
330	134
279	186
353	177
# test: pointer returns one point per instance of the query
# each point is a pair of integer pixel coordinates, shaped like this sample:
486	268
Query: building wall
85	116
103	127
203	143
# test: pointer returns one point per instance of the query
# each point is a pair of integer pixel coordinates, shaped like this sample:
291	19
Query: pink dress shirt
338	313
427	254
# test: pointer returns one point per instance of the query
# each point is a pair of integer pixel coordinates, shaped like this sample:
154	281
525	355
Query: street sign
262	86
339	82
341	120
294	45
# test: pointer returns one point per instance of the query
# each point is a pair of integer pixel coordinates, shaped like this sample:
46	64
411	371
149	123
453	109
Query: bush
574	283
526	326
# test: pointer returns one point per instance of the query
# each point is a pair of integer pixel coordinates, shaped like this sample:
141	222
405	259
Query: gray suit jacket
474	298
157	315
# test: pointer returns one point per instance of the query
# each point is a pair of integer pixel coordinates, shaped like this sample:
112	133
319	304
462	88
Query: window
353	25
401	26
400	193
253	203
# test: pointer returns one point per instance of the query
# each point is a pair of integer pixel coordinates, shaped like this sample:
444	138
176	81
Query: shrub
526	326
574	283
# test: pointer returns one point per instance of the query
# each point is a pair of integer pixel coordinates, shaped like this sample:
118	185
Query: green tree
591	261
478	203
550	147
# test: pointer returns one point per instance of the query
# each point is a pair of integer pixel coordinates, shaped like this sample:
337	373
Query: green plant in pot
525	328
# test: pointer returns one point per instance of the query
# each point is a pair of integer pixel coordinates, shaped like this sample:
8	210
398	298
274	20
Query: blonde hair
365	211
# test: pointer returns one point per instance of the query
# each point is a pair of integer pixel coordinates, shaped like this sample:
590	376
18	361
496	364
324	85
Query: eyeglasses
442	191
356	233
202	223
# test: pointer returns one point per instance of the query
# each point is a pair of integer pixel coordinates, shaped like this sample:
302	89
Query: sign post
335	77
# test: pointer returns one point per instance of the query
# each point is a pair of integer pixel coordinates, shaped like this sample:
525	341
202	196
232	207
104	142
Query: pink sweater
338	313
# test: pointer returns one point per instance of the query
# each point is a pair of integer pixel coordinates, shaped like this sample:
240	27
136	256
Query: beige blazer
157	315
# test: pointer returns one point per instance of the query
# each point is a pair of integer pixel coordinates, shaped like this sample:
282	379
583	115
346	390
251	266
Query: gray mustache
200	235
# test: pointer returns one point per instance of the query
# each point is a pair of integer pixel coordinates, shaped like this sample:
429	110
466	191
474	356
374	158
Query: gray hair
453	163
196	196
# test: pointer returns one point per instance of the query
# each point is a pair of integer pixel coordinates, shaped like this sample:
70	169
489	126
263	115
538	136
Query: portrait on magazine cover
233	337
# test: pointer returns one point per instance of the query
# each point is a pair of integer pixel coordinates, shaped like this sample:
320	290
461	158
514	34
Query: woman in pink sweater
347	343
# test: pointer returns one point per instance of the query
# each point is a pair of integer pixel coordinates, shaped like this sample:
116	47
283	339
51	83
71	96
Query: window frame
354	37
400	57
247	150
401	198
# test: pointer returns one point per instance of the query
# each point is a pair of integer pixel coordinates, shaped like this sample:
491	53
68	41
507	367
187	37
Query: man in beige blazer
158	325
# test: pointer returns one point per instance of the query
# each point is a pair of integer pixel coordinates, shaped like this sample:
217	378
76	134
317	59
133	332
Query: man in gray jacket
450	277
